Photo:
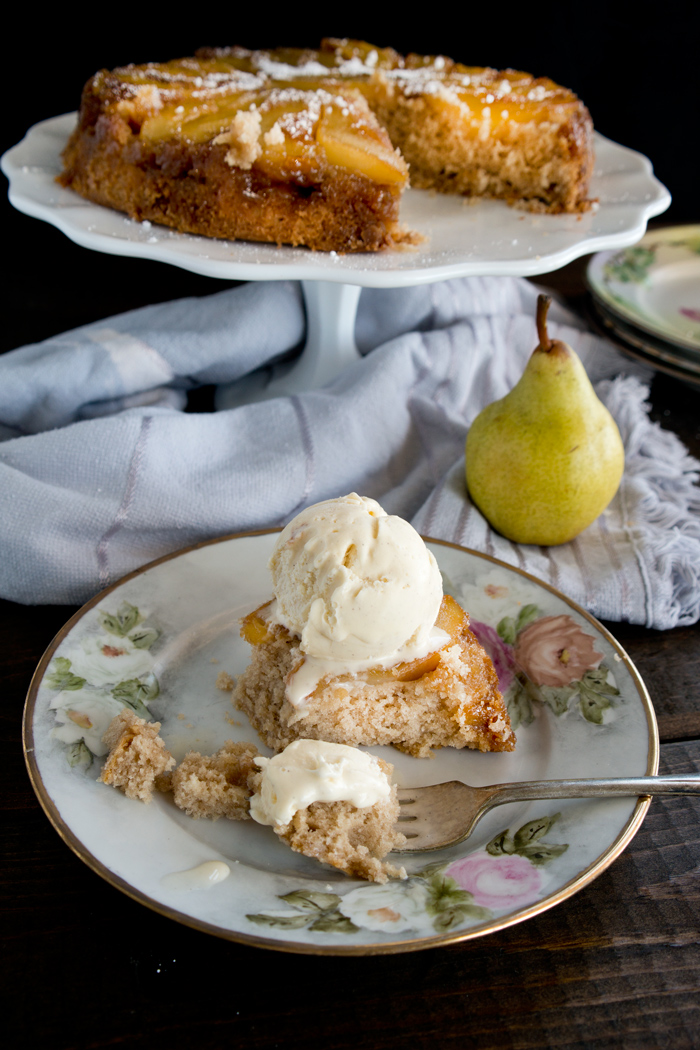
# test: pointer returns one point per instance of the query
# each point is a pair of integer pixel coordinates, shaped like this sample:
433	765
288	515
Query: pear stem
543	302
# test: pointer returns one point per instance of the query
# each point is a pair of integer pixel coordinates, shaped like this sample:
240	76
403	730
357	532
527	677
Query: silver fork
444	814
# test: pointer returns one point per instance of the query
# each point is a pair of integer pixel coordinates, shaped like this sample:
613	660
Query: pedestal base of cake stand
331	309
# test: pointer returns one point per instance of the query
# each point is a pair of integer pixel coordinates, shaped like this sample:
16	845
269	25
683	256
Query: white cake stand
463	239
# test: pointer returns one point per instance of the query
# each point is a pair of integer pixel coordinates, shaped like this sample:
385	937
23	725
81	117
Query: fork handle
498	794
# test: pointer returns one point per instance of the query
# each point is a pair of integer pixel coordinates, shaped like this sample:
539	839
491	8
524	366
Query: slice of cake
359	645
492	133
314	148
216	146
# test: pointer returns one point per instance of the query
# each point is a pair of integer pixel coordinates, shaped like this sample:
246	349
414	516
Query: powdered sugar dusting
283	71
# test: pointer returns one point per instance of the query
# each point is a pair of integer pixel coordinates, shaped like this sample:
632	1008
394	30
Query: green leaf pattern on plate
79	754
549	661
439	898
315	911
527	842
62	677
115	671
123	621
631	265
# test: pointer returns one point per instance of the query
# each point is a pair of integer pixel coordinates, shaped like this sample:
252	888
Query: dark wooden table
617	965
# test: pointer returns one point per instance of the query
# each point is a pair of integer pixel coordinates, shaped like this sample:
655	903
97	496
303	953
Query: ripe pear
545	460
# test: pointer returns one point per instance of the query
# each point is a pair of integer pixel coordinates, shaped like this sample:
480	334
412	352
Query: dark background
638	74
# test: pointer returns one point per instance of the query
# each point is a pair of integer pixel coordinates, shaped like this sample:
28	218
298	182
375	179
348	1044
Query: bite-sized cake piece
333	803
350	839
359	645
137	757
314	147
216	785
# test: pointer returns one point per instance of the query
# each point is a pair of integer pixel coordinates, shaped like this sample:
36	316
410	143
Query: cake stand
463	238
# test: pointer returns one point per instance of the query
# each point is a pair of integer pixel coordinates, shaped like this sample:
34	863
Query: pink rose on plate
500	652
555	651
497	882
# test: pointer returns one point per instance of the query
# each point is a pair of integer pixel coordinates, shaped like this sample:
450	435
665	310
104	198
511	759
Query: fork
442	815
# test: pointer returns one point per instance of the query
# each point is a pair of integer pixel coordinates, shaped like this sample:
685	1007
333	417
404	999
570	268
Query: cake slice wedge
214	146
360	645
449	698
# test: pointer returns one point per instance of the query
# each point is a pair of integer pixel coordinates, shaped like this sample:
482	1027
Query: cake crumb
275	136
216	785
225	682
242	138
137	756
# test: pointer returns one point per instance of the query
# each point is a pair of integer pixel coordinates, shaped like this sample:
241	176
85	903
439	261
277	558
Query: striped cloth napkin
101	469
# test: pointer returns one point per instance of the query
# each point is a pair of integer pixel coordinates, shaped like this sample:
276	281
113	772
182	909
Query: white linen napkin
101	470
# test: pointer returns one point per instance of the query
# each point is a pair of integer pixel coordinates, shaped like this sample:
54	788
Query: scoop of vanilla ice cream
353	582
309	771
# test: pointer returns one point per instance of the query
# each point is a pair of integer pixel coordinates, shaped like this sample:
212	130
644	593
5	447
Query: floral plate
660	355
655	285
157	642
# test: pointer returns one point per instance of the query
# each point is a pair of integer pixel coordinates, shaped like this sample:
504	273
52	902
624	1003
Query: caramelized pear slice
254	628
288	146
452	619
360	148
197	120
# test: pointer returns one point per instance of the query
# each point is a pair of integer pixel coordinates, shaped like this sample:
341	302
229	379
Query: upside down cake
315	147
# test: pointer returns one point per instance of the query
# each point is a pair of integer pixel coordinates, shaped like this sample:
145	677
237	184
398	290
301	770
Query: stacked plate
647	300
